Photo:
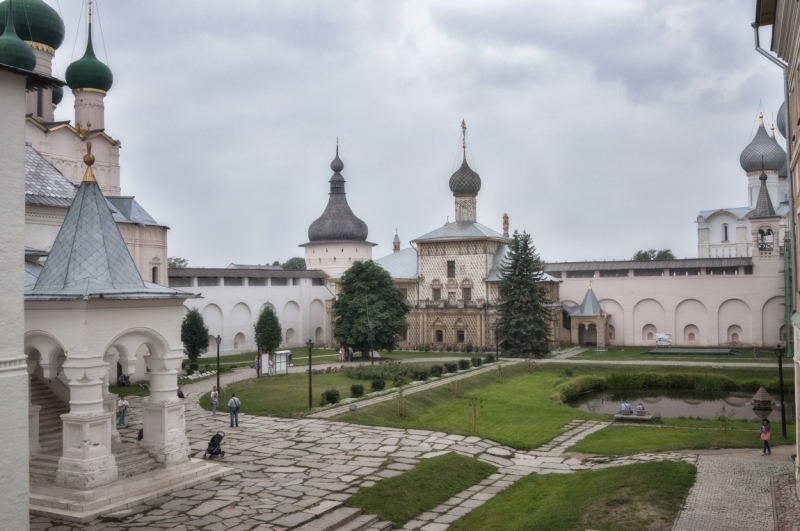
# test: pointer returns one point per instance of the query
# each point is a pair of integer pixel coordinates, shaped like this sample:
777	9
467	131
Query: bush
577	386
208	367
378	385
468	347
463	365
449	366
193	366
331	396
476	362
189	371
426	347
233	366
490	358
356	390
437	370
399	381
449	348
384	371
420	374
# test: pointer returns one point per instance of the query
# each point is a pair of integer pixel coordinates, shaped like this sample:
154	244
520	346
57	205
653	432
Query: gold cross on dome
83	133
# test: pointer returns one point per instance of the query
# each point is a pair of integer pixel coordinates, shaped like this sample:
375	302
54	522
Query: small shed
762	400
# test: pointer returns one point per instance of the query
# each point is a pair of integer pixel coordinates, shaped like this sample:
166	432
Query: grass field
641	497
758	355
430	483
620	440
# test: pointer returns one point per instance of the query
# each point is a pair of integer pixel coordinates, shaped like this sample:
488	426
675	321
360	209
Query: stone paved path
731	494
787	506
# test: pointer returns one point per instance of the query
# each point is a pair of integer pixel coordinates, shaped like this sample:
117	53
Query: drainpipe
788	249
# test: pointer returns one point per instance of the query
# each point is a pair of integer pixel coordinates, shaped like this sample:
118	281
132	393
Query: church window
404	292
39	105
155	268
451	269
461	336
725	232
439	336
467	294
437	294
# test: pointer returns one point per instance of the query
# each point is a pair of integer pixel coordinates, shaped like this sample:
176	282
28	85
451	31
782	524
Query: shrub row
647	380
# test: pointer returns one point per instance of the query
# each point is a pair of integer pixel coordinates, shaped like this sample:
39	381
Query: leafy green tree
194	334
276	263
652	254
296	263
176	262
368	289
523	325
268	332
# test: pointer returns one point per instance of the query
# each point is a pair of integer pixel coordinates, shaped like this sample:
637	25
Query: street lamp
310	345
779	350
219	340
496	343
371	335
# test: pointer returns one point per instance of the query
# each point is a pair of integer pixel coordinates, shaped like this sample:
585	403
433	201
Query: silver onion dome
762	153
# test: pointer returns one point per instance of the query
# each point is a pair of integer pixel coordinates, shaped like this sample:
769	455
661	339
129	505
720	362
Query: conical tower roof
89	258
590	307
337	222
764	208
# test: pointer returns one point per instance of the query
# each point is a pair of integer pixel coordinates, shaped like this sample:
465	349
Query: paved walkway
731	494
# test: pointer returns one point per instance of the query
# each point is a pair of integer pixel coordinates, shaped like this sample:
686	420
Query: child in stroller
214	446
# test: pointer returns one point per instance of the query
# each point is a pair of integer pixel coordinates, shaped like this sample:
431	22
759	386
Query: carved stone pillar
164	413
110	400
33	415
87	461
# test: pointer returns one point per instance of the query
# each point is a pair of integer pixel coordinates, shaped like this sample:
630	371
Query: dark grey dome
783	173
763	152
465	181
781	120
337	222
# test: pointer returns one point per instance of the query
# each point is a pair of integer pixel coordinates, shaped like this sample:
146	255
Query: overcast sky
600	127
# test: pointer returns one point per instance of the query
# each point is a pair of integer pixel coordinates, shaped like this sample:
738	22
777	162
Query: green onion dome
13	50
58	93
35	21
89	72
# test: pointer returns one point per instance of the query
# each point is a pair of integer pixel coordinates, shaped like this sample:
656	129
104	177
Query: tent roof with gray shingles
462	230
89	258
590	307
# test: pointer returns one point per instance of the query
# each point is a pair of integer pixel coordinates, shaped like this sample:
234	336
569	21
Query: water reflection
680	404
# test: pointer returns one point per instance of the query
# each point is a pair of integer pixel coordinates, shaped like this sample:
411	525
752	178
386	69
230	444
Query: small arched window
155	275
724	232
439	336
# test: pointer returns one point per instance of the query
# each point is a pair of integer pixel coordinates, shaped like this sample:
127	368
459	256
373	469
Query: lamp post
219	340
779	350
310	345
371	336
496	343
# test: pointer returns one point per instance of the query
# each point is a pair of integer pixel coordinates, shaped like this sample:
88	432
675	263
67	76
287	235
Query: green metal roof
13	50
89	71
35	21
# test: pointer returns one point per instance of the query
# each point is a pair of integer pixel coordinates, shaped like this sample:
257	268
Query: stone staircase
346	519
131	459
141	477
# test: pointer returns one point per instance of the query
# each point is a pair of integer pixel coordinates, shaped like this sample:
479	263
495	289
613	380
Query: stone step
360	523
380	526
48	501
333	520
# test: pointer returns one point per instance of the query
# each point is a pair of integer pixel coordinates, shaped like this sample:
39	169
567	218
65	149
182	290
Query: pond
670	403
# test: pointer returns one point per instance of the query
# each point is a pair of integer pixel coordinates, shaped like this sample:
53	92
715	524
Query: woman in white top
214	400
123	407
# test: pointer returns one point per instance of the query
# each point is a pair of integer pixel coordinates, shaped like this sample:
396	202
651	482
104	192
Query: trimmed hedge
449	366
378	385
356	390
331	396
463	365
476	362
437	371
490	358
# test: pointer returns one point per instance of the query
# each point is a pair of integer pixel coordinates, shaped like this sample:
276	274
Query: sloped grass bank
641	497
623	440
430	483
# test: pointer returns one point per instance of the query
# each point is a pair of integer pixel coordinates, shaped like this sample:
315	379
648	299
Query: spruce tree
268	332
194	334
367	288
523	315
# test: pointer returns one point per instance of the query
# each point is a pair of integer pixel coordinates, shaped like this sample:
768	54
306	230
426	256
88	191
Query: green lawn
430	483
640	497
521	412
758	355
285	395
620	440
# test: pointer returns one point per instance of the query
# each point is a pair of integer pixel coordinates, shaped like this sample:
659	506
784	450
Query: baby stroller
214	446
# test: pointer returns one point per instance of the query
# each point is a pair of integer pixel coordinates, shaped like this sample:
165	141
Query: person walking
123	407
341	354
214	401
350	354
765	437
233	406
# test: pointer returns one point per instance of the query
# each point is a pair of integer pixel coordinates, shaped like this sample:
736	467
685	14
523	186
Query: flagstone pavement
288	470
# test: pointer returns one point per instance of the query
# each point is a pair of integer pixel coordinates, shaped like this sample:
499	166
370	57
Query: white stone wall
713	304
232	311
336	257
13	370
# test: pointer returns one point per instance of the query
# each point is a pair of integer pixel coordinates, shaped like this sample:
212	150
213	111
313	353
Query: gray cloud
600	127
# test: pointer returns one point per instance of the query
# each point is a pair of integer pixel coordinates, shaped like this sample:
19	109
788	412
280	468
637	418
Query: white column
87	460
33	415
13	374
164	413
110	400
89	107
